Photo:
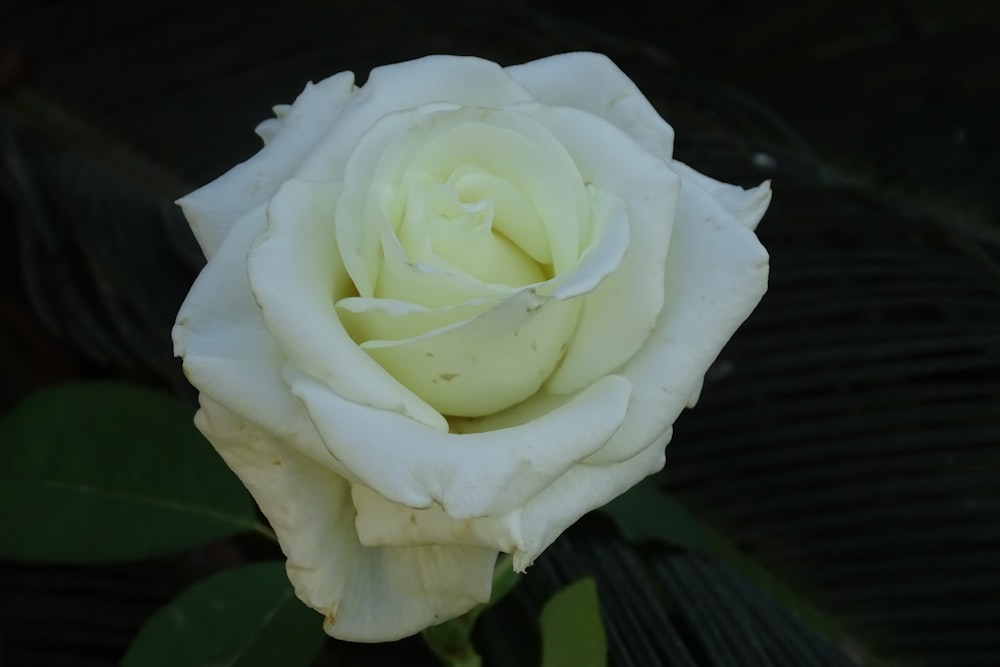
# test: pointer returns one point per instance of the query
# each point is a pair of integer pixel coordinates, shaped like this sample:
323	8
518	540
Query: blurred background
847	441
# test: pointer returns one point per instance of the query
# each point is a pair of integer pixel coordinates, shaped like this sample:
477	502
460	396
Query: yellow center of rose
463	230
442	228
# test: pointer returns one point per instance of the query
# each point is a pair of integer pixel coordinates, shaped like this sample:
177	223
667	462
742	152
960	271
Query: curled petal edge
469	475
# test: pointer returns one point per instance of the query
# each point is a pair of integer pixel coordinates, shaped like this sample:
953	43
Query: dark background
849	437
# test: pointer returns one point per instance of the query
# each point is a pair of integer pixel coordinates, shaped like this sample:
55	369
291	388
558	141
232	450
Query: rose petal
525	532
296	276
457	79
459	366
427	285
591	82
523	151
228	353
601	259
266	129
485	364
214	208
458	235
632	296
468	475
716	274
514	215
384	523
388	319
583	488
747	206
367	594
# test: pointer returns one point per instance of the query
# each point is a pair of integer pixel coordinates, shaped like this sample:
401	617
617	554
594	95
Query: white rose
449	312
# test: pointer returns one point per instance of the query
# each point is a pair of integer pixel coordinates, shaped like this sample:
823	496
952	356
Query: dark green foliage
98	471
242	617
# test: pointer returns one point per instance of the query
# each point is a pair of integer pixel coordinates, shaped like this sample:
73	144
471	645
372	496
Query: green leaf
243	617
101	471
572	629
646	514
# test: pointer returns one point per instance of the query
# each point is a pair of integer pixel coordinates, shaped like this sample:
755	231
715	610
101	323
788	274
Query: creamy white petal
460	80
471	475
540	404
366	594
384	523
268	128
716	274
459	235
619	315
526	153
514	214
485	364
583	488
388	319
427	285
213	209
525	532
434	143
591	82
296	277
227	350
747	206
602	258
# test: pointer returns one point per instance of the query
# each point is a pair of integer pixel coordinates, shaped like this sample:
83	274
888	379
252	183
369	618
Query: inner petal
555	192
386	319
502	155
442	231
423	283
513	214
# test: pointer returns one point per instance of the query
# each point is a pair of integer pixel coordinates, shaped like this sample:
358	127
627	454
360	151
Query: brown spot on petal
448	377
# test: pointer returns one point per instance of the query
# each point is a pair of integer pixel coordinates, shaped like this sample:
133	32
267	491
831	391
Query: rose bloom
447	313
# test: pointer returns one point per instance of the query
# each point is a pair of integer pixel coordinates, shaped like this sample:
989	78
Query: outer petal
469	475
266	129
524	532
295	273
716	274
228	353
583	488
462	80
214	208
384	523
368	594
590	81
747	206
